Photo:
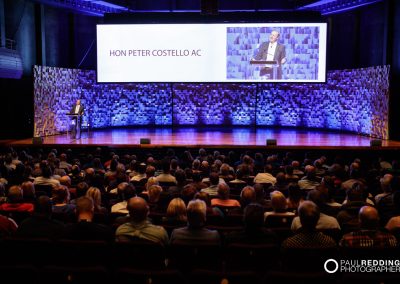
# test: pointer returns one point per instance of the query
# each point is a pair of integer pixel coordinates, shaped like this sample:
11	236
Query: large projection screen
234	52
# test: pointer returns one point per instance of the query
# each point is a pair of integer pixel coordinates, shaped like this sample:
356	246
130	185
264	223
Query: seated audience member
310	180
180	177
195	232
386	189
125	192
254	231
95	194
355	177
281	184
296	169
80	190
223	198
225	173
266	176
348	214
289	175
28	192
139	226
198	182
8	226
238	178
60	199
260	196
15	201
279	205
41	225
385	202
176	213
85	229
324	221
394	223
158	199
212	190
211	211
166	176
141	173
308	237
369	236
65	180
46	177
188	193
295	196
247	196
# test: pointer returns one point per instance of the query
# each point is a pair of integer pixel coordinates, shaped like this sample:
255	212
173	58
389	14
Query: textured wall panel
351	100
214	104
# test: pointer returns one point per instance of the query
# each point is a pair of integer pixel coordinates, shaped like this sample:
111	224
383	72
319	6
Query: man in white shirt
78	110
272	51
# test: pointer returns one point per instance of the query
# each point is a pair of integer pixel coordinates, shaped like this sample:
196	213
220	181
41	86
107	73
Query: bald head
138	209
309	215
369	217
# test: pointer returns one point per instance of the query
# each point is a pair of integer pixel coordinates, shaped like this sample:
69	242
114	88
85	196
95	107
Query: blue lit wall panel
214	104
351	100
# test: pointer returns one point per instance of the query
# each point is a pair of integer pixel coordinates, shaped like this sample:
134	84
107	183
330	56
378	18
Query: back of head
180	176
81	189
223	191
126	190
44	206
369	218
28	190
247	196
214	178
259	191
278	201
280	178
196	213
138	209
309	215
95	194
154	193
253	216
203	196
84	205
355	193
15	194
60	194
65	180
317	197
177	209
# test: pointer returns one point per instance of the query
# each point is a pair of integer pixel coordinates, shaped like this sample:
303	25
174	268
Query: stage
235	137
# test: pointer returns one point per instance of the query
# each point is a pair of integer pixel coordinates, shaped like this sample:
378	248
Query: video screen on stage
229	52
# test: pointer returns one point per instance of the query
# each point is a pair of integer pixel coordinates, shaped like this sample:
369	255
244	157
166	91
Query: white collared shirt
77	109
271	51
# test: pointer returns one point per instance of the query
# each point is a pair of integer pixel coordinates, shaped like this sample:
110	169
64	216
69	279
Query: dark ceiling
101	7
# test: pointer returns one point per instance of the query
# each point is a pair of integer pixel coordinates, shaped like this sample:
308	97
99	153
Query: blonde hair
150	182
278	201
177	209
95	194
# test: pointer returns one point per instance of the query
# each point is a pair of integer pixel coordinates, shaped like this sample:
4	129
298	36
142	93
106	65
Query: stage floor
211	137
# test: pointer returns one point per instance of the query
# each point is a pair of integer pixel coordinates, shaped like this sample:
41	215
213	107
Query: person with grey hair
308	237
195	232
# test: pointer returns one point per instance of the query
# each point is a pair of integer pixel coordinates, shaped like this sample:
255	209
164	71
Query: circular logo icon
326	265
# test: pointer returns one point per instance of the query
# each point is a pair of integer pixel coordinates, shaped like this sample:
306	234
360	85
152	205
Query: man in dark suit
272	51
77	109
